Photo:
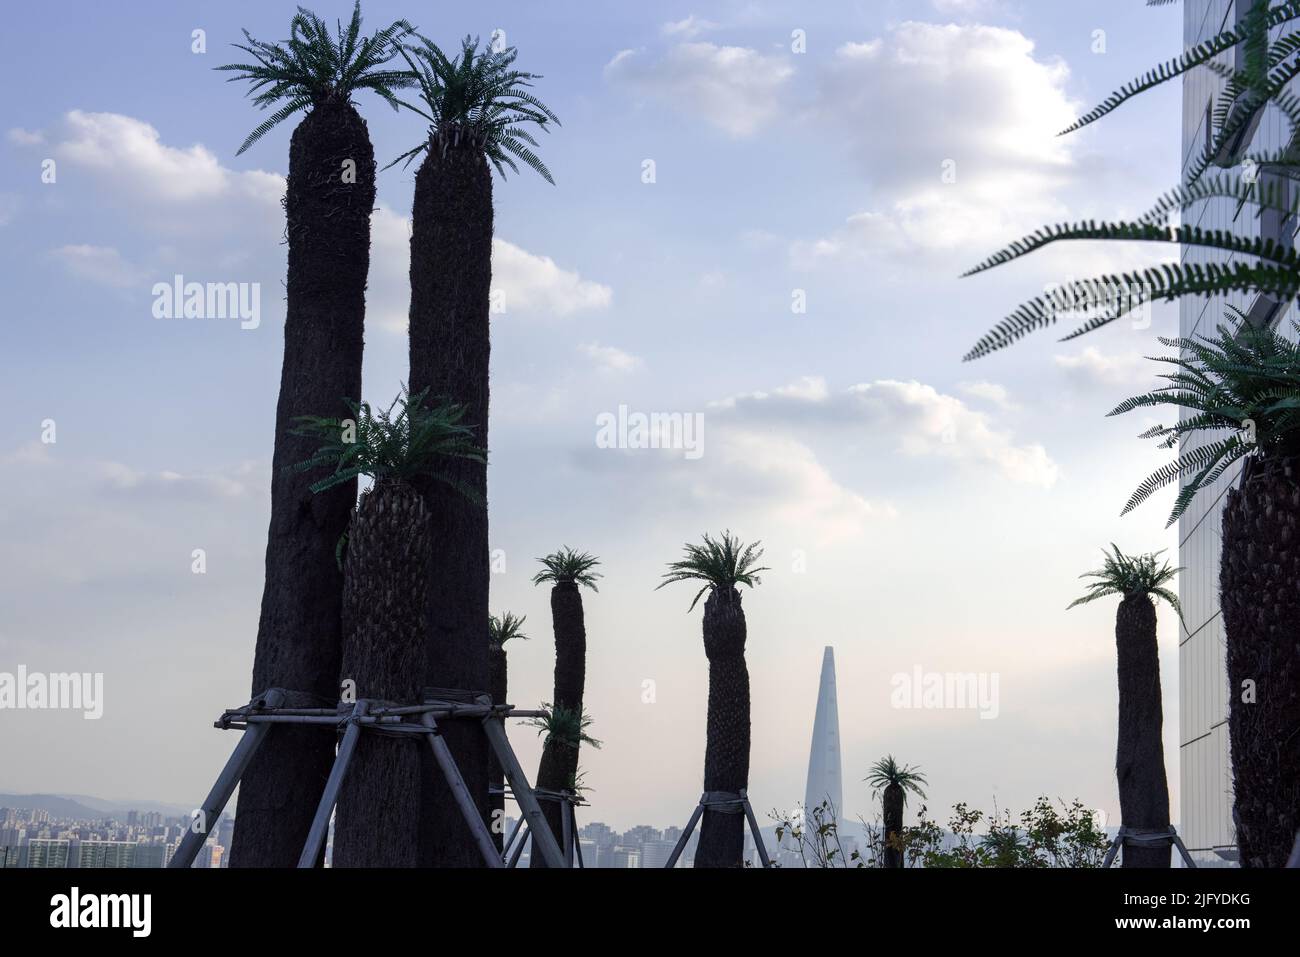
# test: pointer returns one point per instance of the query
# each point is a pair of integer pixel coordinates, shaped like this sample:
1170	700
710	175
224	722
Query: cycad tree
329	197
1139	752
1237	396
386	584
893	782
567	572
722	564
477	106
501	630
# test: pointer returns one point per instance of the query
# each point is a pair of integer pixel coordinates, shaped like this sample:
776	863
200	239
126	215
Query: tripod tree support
1146	837
257	718
727	802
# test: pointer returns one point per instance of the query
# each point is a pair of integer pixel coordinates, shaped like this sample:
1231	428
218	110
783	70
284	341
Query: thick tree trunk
499	688
1140	754
328	231
892	803
1259	593
451	278
386	586
726	753
559	764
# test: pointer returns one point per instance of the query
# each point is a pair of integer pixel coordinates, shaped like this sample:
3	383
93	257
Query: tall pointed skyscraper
824	781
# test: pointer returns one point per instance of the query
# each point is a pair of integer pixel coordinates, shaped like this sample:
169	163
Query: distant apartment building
1205	772
105	854
43	852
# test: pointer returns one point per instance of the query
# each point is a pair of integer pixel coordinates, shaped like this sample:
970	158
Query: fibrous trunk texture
385	588
559	764
328	232
726	753
892	803
1259	593
1139	753
451	278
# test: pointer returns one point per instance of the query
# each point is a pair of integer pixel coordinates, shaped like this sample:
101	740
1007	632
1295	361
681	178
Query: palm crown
1242	379
503	629
1268	266
568	565
477	99
719	563
1130	575
389	446
887	771
314	66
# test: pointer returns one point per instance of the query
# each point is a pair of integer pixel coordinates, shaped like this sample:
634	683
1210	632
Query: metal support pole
442	754
1113	849
686	836
543	840
220	794
510	841
577	843
321	822
519	848
566	827
753	826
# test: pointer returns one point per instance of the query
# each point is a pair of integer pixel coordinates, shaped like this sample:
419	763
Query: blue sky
916	510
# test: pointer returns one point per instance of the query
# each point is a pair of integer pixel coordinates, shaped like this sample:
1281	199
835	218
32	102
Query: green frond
476	99
887	772
314	66
720	563
1200	54
1130	575
565	726
506	628
1116	295
567	565
389	445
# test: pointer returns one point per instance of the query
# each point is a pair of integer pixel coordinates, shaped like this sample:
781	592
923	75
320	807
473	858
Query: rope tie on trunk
1146	837
724	802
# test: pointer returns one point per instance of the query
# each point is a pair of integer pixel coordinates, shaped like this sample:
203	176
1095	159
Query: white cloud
929	103
132	154
736	89
990	392
920	420
125	480
1092	369
610	359
22	137
688	28
534	283
100	264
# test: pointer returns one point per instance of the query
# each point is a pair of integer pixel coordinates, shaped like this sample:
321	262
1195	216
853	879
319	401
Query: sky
760	217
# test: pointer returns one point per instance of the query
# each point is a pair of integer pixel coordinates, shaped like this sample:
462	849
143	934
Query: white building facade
1205	772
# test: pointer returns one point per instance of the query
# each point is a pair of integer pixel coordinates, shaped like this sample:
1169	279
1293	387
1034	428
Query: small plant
817	836
314	67
388	445
567	565
475	99
506	628
1242	380
1128	575
719	563
564	726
